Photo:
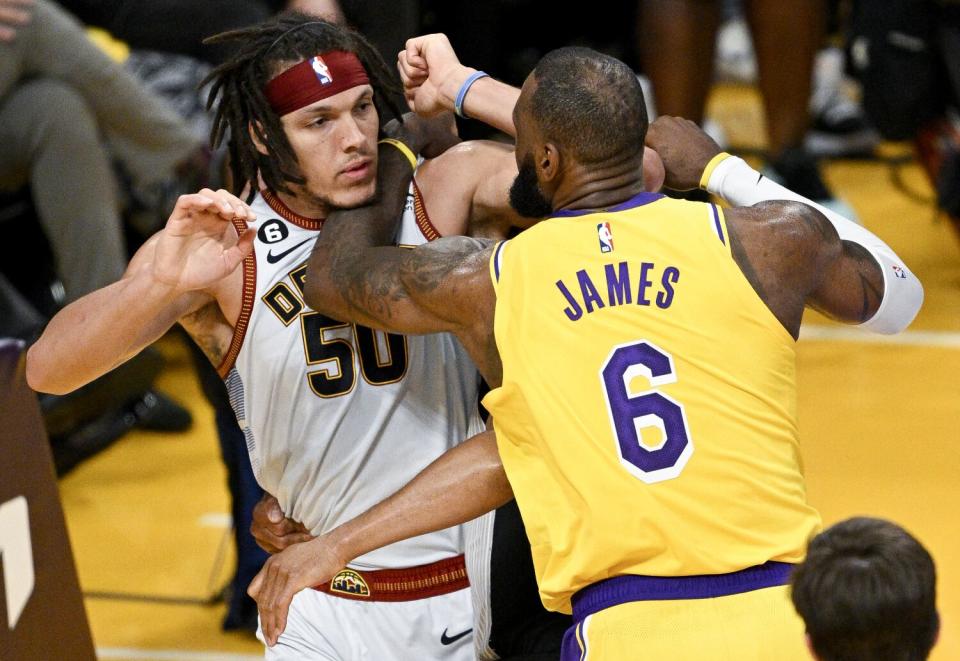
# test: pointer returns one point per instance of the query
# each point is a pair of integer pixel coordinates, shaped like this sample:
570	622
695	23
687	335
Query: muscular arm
97	332
171	276
792	256
866	283
462	484
439	286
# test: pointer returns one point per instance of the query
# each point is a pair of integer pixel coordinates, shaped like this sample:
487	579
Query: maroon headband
317	78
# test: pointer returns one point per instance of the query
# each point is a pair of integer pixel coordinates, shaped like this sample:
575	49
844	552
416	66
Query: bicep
852	286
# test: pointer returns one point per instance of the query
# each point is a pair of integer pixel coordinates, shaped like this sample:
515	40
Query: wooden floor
880	425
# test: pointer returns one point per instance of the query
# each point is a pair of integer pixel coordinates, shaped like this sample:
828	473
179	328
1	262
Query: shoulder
465	164
783	248
787	227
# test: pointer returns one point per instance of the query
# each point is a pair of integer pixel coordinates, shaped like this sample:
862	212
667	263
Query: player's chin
355	195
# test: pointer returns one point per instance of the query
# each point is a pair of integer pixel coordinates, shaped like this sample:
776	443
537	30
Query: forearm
487	100
464	483
99	331
339	254
736	182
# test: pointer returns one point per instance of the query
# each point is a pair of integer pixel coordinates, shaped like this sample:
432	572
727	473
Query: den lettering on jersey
338	416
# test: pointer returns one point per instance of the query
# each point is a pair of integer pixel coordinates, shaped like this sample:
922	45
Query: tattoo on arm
202	326
379	280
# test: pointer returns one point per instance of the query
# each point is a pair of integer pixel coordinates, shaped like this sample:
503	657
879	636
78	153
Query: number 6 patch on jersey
633	414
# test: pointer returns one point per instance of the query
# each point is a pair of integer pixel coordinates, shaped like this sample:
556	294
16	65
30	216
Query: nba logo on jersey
606	237
322	70
899	272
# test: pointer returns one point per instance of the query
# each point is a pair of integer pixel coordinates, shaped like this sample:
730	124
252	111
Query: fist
684	149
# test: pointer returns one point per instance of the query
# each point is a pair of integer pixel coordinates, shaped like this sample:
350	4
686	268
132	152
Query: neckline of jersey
288	214
637	200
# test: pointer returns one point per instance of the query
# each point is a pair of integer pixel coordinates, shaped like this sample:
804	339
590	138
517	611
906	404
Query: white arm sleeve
735	181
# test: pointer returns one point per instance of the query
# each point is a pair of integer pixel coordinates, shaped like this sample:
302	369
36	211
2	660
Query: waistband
407	584
622	589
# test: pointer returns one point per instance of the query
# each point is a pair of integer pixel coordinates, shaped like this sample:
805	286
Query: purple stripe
716	221
637	200
570	648
496	260
623	589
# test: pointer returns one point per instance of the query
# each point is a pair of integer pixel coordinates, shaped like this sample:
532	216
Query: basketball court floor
879	423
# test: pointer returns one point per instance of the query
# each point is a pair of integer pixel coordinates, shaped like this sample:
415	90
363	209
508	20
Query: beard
526	196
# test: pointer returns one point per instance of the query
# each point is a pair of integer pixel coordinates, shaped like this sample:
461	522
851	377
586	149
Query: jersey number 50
631	413
331	344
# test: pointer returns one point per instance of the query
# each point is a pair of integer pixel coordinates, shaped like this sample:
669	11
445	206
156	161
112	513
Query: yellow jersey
647	416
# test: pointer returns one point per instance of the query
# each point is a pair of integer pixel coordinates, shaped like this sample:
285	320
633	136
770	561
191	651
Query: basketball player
642	358
336	416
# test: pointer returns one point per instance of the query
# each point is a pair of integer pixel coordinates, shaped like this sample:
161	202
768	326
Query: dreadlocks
240	83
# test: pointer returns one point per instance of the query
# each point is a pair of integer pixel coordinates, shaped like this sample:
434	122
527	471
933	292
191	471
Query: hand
684	149
428	136
431	74
653	172
14	14
200	245
272	530
297	567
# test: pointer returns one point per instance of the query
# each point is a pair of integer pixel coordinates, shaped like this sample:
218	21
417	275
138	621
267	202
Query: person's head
301	101
867	590
578	111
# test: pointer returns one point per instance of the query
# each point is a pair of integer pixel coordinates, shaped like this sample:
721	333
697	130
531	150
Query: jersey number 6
631	413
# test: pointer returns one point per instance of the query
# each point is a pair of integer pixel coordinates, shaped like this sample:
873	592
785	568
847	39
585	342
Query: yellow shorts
757	625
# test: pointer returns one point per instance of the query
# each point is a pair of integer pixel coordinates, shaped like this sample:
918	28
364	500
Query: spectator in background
867	591
676	45
59	95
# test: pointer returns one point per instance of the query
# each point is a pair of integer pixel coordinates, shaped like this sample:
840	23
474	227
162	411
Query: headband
318	77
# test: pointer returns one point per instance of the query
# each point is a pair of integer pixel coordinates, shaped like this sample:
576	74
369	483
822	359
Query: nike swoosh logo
450	640
273	259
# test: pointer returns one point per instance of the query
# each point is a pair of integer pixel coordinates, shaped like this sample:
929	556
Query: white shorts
321	626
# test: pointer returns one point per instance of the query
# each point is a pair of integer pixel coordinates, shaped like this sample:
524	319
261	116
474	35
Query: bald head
589	104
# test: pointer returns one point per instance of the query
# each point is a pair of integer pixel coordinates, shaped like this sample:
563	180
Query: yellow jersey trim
406	151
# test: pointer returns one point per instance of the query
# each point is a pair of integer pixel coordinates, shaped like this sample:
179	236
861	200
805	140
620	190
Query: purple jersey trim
716	222
637	200
496	259
622	589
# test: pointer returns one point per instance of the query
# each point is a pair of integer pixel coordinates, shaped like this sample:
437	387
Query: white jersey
336	416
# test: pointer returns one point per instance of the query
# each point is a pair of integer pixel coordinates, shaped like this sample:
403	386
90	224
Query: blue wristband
458	104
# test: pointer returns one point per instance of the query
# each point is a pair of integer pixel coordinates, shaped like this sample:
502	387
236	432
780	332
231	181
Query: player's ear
256	139
549	162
